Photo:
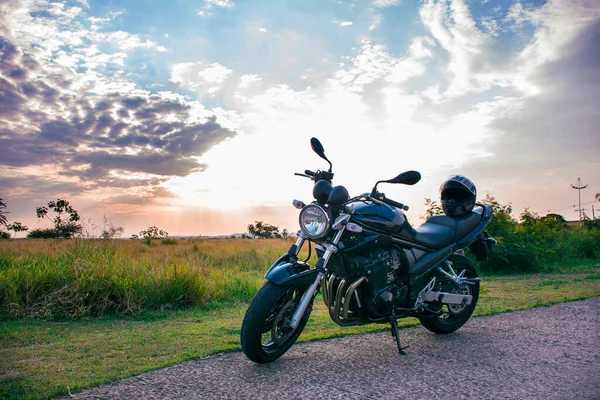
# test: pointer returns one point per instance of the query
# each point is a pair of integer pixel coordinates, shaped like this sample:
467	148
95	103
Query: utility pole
579	187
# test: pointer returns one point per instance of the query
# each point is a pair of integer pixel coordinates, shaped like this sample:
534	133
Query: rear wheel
455	316
266	334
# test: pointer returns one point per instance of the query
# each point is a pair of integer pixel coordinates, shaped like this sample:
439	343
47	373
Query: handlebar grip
395	203
309	172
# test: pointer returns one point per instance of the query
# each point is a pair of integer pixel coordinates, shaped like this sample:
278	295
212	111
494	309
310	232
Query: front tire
455	316
266	334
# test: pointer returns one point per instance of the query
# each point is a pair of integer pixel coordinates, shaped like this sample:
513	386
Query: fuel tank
382	217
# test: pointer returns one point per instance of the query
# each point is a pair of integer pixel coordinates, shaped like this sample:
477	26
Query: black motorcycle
372	267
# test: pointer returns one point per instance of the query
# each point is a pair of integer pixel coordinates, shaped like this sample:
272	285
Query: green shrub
513	253
169	241
580	243
48	233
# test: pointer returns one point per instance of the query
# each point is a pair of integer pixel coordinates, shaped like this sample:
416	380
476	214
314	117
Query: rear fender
482	246
287	272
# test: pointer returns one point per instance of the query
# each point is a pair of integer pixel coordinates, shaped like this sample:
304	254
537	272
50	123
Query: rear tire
266	334
454	316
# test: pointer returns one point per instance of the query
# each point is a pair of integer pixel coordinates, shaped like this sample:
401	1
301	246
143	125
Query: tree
65	227
263	230
502	222
3	219
528	218
285	234
433	208
554	221
153	233
17	227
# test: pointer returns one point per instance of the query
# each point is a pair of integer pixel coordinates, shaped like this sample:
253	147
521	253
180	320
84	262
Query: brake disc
281	330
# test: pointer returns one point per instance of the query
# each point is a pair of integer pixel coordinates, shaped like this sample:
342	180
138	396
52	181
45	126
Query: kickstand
396	335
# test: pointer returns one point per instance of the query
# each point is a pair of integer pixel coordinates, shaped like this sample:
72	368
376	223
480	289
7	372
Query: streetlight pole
579	187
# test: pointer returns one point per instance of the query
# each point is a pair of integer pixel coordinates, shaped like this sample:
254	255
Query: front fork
309	293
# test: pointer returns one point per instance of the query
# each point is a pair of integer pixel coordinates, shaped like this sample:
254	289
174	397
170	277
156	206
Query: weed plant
71	279
58	279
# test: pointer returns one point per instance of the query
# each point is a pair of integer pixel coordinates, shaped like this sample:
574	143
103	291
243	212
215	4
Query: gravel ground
543	353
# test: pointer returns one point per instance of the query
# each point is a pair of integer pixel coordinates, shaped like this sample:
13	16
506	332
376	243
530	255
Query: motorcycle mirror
318	148
405	178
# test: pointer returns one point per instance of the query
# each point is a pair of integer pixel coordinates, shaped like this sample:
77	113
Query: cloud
385	3
563	120
95	130
376	21
126	41
201	77
220	3
480	61
211	4
143	197
346	23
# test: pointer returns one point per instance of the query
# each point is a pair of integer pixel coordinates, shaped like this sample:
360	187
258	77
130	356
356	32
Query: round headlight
314	221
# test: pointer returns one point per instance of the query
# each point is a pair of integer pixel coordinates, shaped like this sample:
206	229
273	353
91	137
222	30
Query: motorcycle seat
440	230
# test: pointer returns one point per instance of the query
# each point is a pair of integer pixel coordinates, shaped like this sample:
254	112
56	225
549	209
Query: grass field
72	279
52	355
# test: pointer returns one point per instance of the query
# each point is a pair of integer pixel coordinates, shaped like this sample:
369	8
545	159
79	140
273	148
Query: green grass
53	279
43	359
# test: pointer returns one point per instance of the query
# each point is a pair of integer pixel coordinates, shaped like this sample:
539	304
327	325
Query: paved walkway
543	353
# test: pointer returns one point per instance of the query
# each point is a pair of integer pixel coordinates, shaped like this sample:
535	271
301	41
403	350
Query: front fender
286	272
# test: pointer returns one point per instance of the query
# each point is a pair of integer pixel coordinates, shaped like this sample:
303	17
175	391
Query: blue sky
193	115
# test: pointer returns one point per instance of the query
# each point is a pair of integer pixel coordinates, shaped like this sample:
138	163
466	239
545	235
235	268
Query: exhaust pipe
338	303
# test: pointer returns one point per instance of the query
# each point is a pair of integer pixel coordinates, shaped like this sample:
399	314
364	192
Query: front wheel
266	334
455	315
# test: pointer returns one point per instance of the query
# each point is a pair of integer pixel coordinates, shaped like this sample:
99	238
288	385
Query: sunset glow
194	116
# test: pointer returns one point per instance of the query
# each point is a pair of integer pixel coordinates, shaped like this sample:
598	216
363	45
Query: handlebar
316	176
381	197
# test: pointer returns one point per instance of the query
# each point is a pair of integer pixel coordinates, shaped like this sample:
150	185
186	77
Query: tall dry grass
58	279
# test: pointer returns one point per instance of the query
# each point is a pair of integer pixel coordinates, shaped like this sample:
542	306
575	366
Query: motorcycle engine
386	280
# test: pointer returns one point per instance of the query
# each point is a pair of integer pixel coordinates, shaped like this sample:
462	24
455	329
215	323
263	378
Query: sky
193	115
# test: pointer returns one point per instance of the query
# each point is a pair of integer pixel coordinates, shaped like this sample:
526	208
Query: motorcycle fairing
288	272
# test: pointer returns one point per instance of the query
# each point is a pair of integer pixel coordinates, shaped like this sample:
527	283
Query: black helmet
458	195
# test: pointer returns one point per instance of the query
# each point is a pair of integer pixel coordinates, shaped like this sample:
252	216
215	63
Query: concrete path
543	353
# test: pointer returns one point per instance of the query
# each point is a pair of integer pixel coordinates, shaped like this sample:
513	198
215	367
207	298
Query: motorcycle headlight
314	221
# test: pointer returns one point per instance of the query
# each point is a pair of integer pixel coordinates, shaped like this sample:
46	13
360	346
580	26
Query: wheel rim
454	311
276	331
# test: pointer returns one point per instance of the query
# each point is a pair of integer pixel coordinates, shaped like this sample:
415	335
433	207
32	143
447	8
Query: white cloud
478	62
385	3
516	14
247	80
490	25
220	3
200	76
211	4
262	30
346	23
376	21
126	41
